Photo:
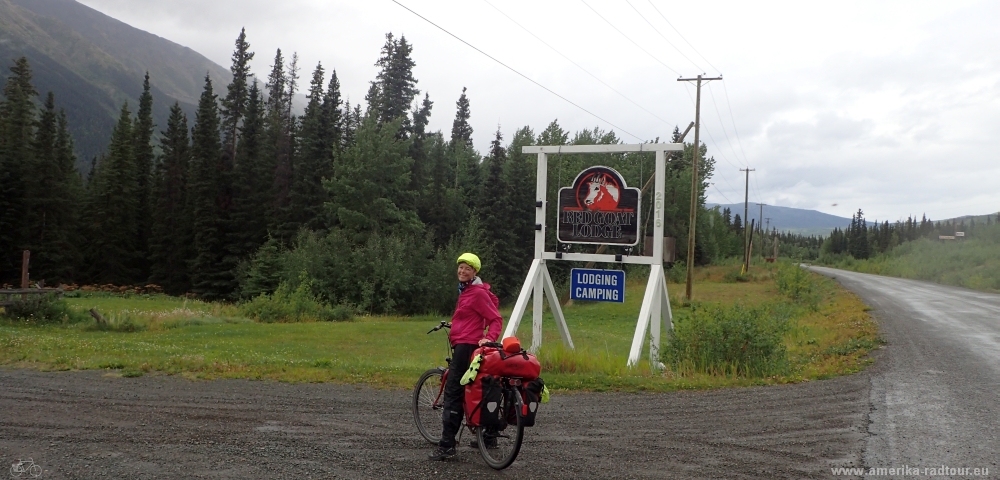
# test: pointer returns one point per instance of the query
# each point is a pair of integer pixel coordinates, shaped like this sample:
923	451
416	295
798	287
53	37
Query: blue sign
597	285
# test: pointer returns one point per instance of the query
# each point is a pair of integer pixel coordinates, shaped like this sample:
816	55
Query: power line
756	188
627	38
730	105
732	117
722	124
664	37
716	145
728	201
576	64
547	89
682	36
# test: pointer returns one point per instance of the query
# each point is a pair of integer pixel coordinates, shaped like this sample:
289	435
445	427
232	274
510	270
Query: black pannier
532	398
490	408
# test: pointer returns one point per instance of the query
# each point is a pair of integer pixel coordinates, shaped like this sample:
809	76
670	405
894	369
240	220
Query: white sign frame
538	284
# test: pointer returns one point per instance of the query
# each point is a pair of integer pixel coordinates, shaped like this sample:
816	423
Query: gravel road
931	399
935	393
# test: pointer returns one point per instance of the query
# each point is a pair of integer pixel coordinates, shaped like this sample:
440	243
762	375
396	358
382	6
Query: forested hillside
94	63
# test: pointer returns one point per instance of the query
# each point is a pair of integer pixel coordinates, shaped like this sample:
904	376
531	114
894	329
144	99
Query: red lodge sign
599	208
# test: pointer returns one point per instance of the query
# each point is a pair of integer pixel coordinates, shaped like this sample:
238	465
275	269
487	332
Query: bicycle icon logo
25	466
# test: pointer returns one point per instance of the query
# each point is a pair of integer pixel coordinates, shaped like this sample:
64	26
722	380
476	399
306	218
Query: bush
738	340
377	275
797	284
294	305
42	309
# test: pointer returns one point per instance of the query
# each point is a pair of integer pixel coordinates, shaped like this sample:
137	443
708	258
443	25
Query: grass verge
829	335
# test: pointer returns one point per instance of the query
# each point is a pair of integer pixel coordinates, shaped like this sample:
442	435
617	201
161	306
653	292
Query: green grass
973	262
206	341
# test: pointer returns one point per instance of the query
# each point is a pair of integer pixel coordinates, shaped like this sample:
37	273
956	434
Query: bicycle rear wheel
428	404
499	447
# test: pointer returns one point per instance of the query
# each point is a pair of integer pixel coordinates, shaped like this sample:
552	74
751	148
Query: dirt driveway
89	425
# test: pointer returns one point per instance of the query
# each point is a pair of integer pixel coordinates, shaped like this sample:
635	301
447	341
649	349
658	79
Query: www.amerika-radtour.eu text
908	471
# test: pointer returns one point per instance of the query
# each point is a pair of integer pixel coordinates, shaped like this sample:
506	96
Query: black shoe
489	443
442	453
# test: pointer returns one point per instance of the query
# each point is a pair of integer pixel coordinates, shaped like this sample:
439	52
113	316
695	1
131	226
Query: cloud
887	106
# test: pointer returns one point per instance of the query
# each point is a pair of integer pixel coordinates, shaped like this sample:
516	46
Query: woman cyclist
475	322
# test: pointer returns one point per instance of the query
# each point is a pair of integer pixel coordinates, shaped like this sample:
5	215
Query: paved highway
935	388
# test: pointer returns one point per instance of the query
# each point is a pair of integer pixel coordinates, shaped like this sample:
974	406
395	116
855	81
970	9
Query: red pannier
502	364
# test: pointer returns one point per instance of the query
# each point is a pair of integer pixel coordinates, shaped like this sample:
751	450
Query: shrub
378	274
42	309
294	305
735	276
797	284
738	340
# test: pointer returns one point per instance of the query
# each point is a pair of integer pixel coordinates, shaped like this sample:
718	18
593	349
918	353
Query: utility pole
694	180
761	217
746	222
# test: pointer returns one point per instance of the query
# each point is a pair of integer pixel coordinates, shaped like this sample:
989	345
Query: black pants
454	393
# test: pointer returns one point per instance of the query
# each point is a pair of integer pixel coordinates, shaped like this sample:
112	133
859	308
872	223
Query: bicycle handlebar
443	324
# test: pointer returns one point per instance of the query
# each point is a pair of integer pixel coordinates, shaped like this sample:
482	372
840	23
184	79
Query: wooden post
25	258
24	268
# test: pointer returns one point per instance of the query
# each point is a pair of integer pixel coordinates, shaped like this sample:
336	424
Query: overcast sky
893	107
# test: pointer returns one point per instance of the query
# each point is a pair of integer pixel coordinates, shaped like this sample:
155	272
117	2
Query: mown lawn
206	340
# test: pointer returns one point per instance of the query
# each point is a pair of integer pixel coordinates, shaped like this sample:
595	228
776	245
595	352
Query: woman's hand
482	341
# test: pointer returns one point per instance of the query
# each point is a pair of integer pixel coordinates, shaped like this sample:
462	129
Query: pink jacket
476	311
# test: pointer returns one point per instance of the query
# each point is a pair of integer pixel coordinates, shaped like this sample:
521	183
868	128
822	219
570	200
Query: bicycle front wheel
499	447
428	404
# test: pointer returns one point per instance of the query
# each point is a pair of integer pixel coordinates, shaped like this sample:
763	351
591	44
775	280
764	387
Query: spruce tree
211	272
461	131
465	158
519	176
497	214
352	122
394	88
280	138
369	191
66	159
857	237
421	117
439	205
51	200
172	235
142	151
333	118
253	179
111	211
313	162
235	103
17	119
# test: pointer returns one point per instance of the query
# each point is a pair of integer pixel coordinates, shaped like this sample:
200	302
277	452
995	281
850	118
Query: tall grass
737	340
797	284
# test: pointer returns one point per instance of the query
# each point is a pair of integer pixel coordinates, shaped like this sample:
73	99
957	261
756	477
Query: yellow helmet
471	260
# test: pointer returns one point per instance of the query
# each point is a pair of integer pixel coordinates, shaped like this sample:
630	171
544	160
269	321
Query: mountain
794	220
93	63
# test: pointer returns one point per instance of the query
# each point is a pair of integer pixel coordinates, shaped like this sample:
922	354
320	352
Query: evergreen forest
359	202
